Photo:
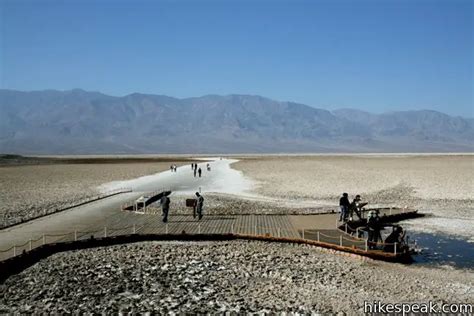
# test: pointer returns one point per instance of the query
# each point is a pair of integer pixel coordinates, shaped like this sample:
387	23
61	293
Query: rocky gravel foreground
238	276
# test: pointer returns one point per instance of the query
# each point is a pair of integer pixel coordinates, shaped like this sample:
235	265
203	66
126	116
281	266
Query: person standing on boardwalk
165	207
344	206
354	208
199	205
199	171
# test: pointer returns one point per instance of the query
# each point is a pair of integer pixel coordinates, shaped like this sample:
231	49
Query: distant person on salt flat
208	167
344	206
165	207
195	172
199	205
199	172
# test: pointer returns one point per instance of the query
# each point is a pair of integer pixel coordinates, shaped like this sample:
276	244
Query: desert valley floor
244	276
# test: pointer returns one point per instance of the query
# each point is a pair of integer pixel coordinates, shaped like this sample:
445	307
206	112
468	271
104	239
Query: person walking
165	207
199	205
195	172
199	172
344	206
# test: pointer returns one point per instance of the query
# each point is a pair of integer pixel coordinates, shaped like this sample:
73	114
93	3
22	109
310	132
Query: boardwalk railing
9	218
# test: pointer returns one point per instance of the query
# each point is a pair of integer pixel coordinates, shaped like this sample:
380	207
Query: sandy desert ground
237	276
29	190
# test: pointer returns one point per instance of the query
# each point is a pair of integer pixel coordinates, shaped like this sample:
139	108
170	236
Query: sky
375	56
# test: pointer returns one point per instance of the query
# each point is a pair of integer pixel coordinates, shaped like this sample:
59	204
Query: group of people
374	223
173	168
197	209
348	209
196	169
374	227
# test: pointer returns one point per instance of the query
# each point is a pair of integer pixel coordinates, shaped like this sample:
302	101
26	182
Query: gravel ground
239	276
30	190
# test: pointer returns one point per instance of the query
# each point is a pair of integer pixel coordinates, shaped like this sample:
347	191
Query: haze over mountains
81	122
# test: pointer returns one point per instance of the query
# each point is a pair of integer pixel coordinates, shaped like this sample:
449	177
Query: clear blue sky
371	55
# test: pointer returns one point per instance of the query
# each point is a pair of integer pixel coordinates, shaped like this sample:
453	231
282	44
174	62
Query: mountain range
83	122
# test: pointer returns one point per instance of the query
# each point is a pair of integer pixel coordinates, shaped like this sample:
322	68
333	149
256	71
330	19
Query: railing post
232	228
303	233
75	235
29	244
345	227
255	230
199	228
105	231
14	251
166	229
134	229
390	211
318	235
44	239
395	249
340	240
366	244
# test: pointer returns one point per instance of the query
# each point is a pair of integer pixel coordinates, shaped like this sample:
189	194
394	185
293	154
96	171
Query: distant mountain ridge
82	122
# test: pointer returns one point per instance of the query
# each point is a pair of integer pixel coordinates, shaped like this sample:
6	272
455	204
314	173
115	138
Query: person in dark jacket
199	172
199	205
395	239
344	206
354	207
374	226
165	207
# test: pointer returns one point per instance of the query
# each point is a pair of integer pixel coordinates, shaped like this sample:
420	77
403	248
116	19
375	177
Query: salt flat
439	184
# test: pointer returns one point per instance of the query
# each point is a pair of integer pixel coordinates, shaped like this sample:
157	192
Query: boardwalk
124	222
320	228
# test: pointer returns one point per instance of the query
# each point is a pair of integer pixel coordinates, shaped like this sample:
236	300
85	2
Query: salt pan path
107	213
